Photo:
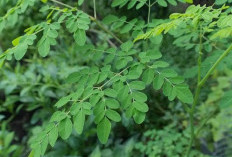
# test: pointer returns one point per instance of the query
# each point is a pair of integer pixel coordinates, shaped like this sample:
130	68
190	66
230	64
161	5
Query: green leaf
80	2
44	145
148	76
20	51
137	85
121	63
110	92
94	99
80	37
139	96
172	2
73	77
172	94
2	61
62	101
117	2
103	130
112	103
113	115
65	128
109	19
140	106
158	81
162	3
58	116
226	100
77	94
191	1
169	73
52	33
138	6
44	47
15	42
139	117
127	46
126	28
79	121
102	77
44	1
99	117
167	88
53	135
184	94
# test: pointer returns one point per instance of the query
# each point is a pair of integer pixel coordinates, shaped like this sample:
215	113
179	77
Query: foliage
82	76
166	142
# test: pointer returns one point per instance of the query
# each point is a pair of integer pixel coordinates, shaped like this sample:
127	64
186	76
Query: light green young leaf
191	1
103	130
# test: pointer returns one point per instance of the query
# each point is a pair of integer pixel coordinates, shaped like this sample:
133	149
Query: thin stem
224	54
153	3
199	86
199	59
66	5
106	30
149	11
191	115
196	97
203	123
94	9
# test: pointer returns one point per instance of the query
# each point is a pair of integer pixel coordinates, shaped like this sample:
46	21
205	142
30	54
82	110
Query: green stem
149	11
199	86
191	115
106	30
196	97
224	54
94	9
66	5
